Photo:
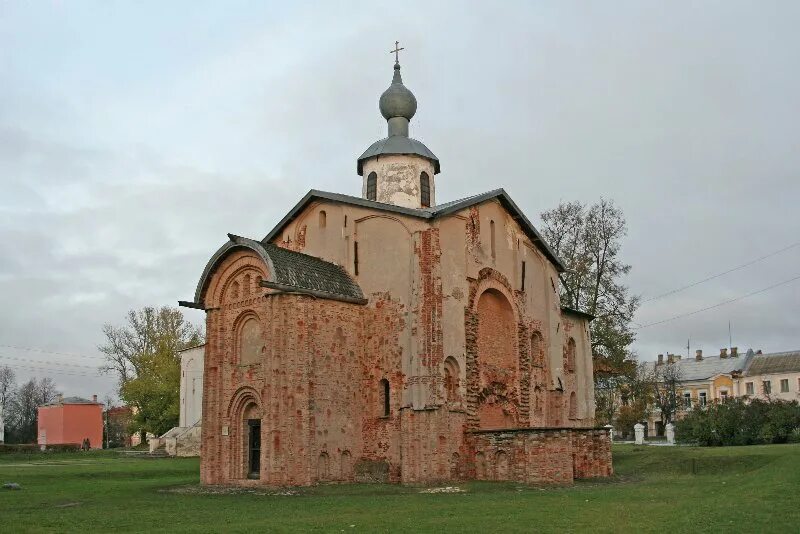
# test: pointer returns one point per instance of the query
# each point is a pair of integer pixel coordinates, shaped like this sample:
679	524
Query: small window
451	379
785	385
323	219
569	361
355	257
425	189
372	186
537	355
385	404
749	388
767	387
492	239
702	398
522	283
687	400
723	396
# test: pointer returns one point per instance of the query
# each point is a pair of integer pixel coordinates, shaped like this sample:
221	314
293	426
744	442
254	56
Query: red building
71	420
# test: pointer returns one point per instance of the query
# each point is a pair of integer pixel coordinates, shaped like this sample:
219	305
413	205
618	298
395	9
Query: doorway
254	448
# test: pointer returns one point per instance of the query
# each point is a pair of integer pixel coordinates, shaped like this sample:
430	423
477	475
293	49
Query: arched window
323	467
573	406
492	239
451	379
372	186
480	466
323	219
246	284
250	342
425	189
537	354
501	465
569	360
346	466
385	405
235	290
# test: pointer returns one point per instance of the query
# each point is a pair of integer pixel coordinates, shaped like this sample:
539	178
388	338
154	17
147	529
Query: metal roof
398	144
426	213
691	369
71	400
287	271
775	363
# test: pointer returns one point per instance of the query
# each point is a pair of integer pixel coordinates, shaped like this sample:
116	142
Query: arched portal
245	415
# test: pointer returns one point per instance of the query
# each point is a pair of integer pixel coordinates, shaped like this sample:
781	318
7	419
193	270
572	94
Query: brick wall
540	456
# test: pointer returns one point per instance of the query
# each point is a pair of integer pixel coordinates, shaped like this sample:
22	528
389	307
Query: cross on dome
396	52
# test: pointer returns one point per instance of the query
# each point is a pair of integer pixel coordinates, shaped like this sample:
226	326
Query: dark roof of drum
398	144
433	212
288	271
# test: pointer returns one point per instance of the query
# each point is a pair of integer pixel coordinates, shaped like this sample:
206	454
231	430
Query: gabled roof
775	363
426	213
287	271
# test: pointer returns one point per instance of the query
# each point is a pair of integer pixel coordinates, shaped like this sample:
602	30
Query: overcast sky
133	136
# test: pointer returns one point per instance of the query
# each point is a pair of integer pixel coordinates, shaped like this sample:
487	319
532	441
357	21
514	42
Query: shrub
741	422
16	448
64	447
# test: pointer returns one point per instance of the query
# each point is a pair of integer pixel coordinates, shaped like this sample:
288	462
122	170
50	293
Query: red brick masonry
541	455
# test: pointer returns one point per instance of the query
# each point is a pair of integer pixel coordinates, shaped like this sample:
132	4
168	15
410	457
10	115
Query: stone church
390	338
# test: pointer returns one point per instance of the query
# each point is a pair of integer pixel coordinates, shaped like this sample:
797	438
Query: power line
721	303
54	371
58	364
43	351
742	266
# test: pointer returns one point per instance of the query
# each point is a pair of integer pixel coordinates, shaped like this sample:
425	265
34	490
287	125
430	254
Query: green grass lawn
743	489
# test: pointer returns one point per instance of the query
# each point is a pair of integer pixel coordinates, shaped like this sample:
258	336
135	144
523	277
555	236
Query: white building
773	376
184	440
192	386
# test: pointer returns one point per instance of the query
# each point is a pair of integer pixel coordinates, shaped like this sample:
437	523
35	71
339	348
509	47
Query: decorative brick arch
493	387
247	351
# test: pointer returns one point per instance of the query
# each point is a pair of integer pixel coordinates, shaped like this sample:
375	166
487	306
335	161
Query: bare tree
23	408
8	382
666	380
588	239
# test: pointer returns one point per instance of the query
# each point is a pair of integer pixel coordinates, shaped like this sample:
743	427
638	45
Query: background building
71	420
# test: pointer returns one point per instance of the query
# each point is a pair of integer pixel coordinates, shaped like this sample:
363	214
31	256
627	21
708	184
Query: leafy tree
588	239
144	355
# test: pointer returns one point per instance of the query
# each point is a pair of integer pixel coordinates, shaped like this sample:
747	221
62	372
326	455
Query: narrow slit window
425	189
372	186
323	219
492	239
522	285
385	401
355	257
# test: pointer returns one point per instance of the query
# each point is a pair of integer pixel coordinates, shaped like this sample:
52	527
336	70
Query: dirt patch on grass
196	489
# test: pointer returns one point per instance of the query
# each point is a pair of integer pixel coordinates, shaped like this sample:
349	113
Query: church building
389	338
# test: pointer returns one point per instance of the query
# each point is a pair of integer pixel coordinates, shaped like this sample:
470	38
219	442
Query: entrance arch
245	415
